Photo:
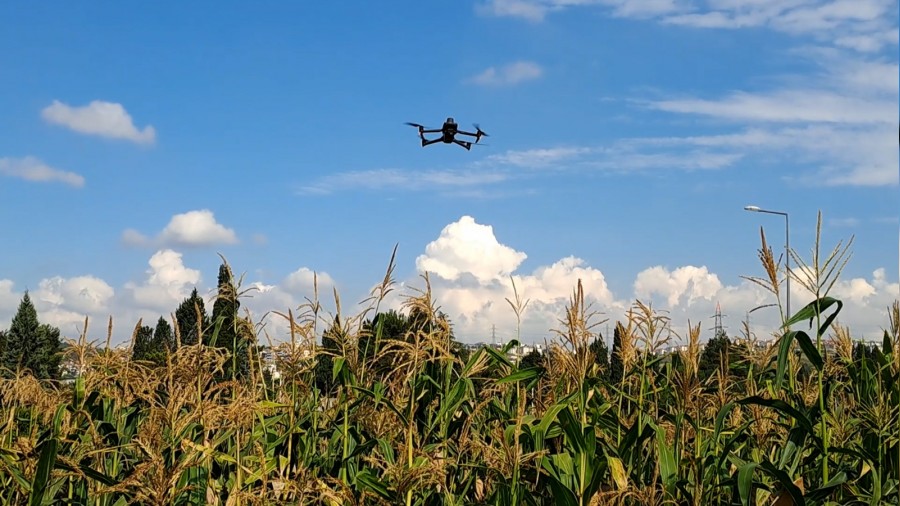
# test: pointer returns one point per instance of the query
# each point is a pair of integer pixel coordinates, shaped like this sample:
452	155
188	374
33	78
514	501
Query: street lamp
787	250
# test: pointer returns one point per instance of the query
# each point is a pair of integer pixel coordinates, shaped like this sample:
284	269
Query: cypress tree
143	342
325	361
162	341
191	311
616	367
713	353
601	354
30	345
231	335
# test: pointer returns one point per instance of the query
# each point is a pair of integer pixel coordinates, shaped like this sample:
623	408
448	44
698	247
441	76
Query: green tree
143	343
616	367
162	342
714	352
532	359
231	336
31	345
601	354
325	358
193	321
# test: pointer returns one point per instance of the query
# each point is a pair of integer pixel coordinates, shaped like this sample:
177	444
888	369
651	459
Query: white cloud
862	25
471	275
525	9
538	158
193	228
9	299
65	302
400	180
839	155
785	106
105	119
84	294
507	75
168	282
688	282
466	247
33	169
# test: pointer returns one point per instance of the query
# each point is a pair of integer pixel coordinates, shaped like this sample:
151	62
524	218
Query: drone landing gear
426	142
465	144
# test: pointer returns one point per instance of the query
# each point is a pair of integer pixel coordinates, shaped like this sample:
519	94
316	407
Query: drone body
448	132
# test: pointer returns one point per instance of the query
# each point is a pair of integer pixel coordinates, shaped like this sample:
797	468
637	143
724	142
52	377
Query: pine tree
616	367
189	312
30	345
162	342
231	335
325	359
714	352
143	342
601	354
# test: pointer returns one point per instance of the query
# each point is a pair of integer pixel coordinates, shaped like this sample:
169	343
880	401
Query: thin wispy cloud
862	25
402	180
508	75
104	119
33	169
539	157
783	106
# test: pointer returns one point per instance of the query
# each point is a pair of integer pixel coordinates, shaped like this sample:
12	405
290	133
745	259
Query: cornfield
411	422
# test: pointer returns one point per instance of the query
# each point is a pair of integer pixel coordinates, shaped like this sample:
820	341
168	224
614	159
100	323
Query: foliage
421	432
714	353
142	343
230	330
192	320
30	345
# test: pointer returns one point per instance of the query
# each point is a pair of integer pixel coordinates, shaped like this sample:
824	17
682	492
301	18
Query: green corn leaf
46	462
499	357
520	375
825	490
573	430
809	349
745	482
783	407
785	482
667	466
817	307
366	480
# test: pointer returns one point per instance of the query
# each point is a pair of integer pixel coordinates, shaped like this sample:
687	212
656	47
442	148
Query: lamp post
787	250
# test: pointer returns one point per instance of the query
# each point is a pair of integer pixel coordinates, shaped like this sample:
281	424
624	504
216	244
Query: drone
448	134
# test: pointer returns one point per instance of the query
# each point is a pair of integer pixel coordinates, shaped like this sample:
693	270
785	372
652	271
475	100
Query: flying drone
448	134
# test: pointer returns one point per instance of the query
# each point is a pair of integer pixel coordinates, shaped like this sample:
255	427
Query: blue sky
626	136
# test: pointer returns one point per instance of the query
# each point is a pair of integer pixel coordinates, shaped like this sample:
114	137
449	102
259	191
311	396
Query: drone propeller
479	132
415	125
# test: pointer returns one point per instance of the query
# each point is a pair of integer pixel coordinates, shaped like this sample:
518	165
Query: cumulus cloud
466	247
687	283
33	169
507	75
193	228
472	274
65	302
168	282
105	119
